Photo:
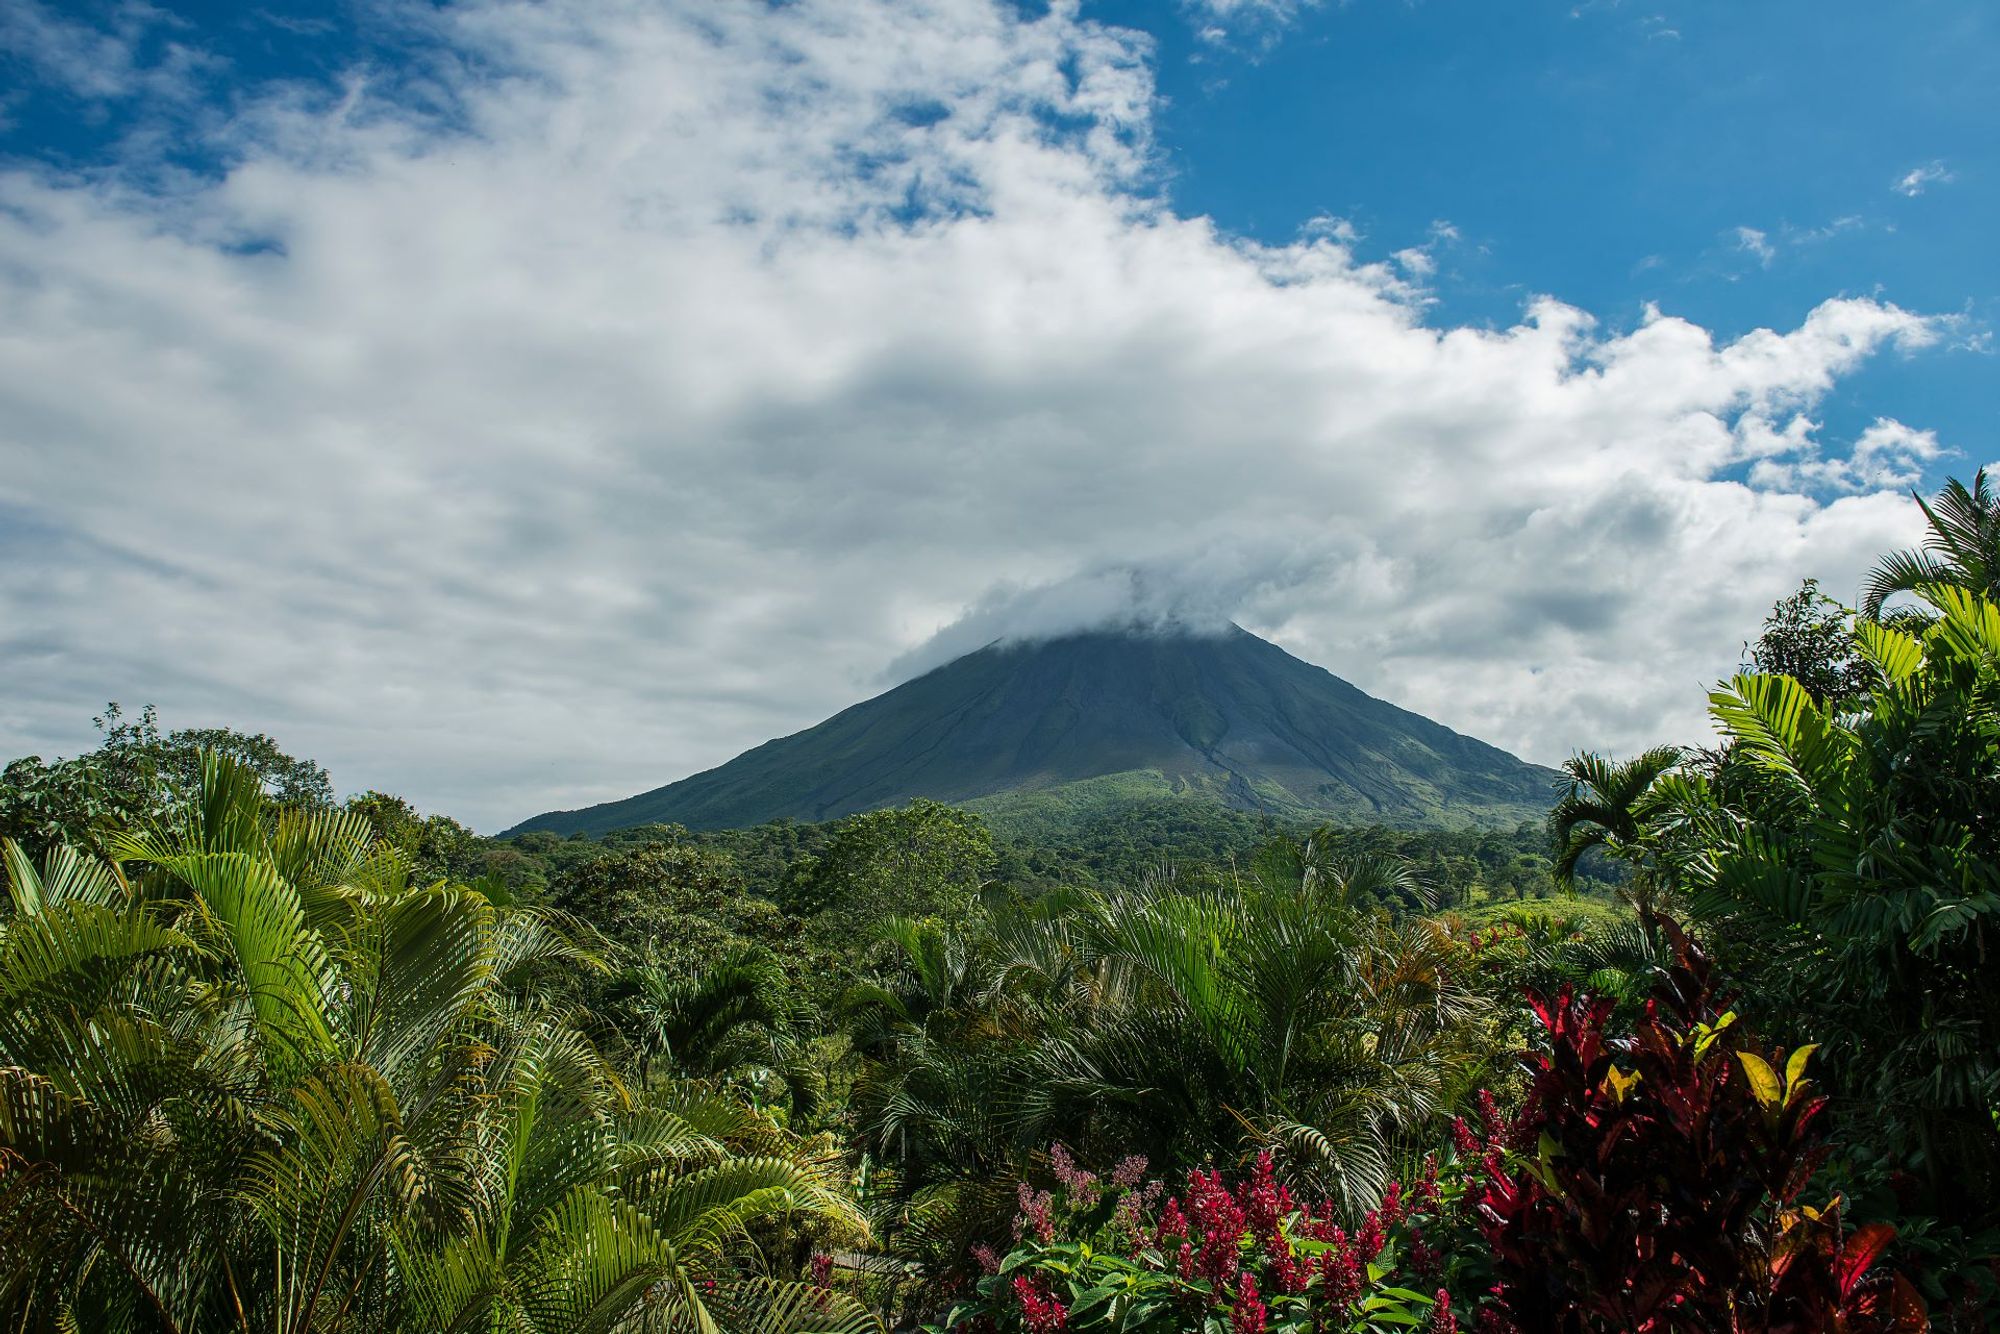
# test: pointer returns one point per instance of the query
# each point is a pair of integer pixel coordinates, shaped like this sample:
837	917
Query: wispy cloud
1755	242
1767	245
1653	27
103	53
1223	22
1420	262
1851	222
1919	179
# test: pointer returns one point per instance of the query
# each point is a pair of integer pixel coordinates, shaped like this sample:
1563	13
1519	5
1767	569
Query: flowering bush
1122	1254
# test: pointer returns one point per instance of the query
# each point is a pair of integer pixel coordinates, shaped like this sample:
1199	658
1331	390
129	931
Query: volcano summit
1099	716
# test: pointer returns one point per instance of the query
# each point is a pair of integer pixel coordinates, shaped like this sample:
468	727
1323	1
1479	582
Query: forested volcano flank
1102	717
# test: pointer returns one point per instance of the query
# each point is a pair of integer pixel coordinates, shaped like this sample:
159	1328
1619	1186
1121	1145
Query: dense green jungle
1714	1048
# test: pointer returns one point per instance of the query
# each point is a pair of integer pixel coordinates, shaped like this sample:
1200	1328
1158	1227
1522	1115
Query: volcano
1105	716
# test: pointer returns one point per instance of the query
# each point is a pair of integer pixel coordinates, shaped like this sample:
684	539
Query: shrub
1121	1254
1654	1181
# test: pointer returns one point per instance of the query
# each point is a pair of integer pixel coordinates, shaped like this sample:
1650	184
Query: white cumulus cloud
710	356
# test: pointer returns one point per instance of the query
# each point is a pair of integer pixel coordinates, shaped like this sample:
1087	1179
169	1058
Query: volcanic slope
1102	717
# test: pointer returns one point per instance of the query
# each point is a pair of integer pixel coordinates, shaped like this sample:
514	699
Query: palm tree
1174	1019
1962	548
1604	806
253	1079
734	1023
1289	1016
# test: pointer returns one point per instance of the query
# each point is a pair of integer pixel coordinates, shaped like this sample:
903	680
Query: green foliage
1806	637
923	860
1853	865
738	1021
286	779
136	775
435	847
252	1077
1544	945
1182	1020
1962	549
667	897
1608	807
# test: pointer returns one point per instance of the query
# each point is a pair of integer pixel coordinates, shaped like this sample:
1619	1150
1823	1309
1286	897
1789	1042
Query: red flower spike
1248	1315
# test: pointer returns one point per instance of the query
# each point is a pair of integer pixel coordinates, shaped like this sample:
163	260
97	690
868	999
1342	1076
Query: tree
1962	548
680	906
287	780
1605	807
134	776
1300	1016
177	757
737	1023
924	860
1806	637
1179	1020
437	846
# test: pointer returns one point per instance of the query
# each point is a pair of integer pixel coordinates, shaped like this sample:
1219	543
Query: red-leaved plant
1654	1181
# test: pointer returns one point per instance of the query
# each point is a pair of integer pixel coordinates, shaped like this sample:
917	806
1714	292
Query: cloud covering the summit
629	383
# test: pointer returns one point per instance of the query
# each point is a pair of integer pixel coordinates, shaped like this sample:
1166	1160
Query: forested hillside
1714	1047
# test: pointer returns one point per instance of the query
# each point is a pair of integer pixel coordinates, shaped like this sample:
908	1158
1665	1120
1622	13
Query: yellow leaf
1619	1084
1795	1068
1763	1079
1706	1036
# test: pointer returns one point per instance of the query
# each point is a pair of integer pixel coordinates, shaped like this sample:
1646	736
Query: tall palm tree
253	1079
1962	548
1604	805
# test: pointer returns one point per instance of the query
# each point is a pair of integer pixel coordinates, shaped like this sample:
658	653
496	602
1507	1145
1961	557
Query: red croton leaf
1862	1247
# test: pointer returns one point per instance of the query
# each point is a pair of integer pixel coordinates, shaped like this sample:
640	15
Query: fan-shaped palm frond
1962	548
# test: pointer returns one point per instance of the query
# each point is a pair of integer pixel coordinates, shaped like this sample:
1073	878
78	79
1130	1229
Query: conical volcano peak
1155	600
1219	715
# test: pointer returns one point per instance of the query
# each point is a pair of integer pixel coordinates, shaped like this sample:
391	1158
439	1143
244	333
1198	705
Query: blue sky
1613	154
1732	163
521	404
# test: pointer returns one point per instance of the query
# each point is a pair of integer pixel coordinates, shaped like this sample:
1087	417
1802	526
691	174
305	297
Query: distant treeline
1032	851
1107	847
